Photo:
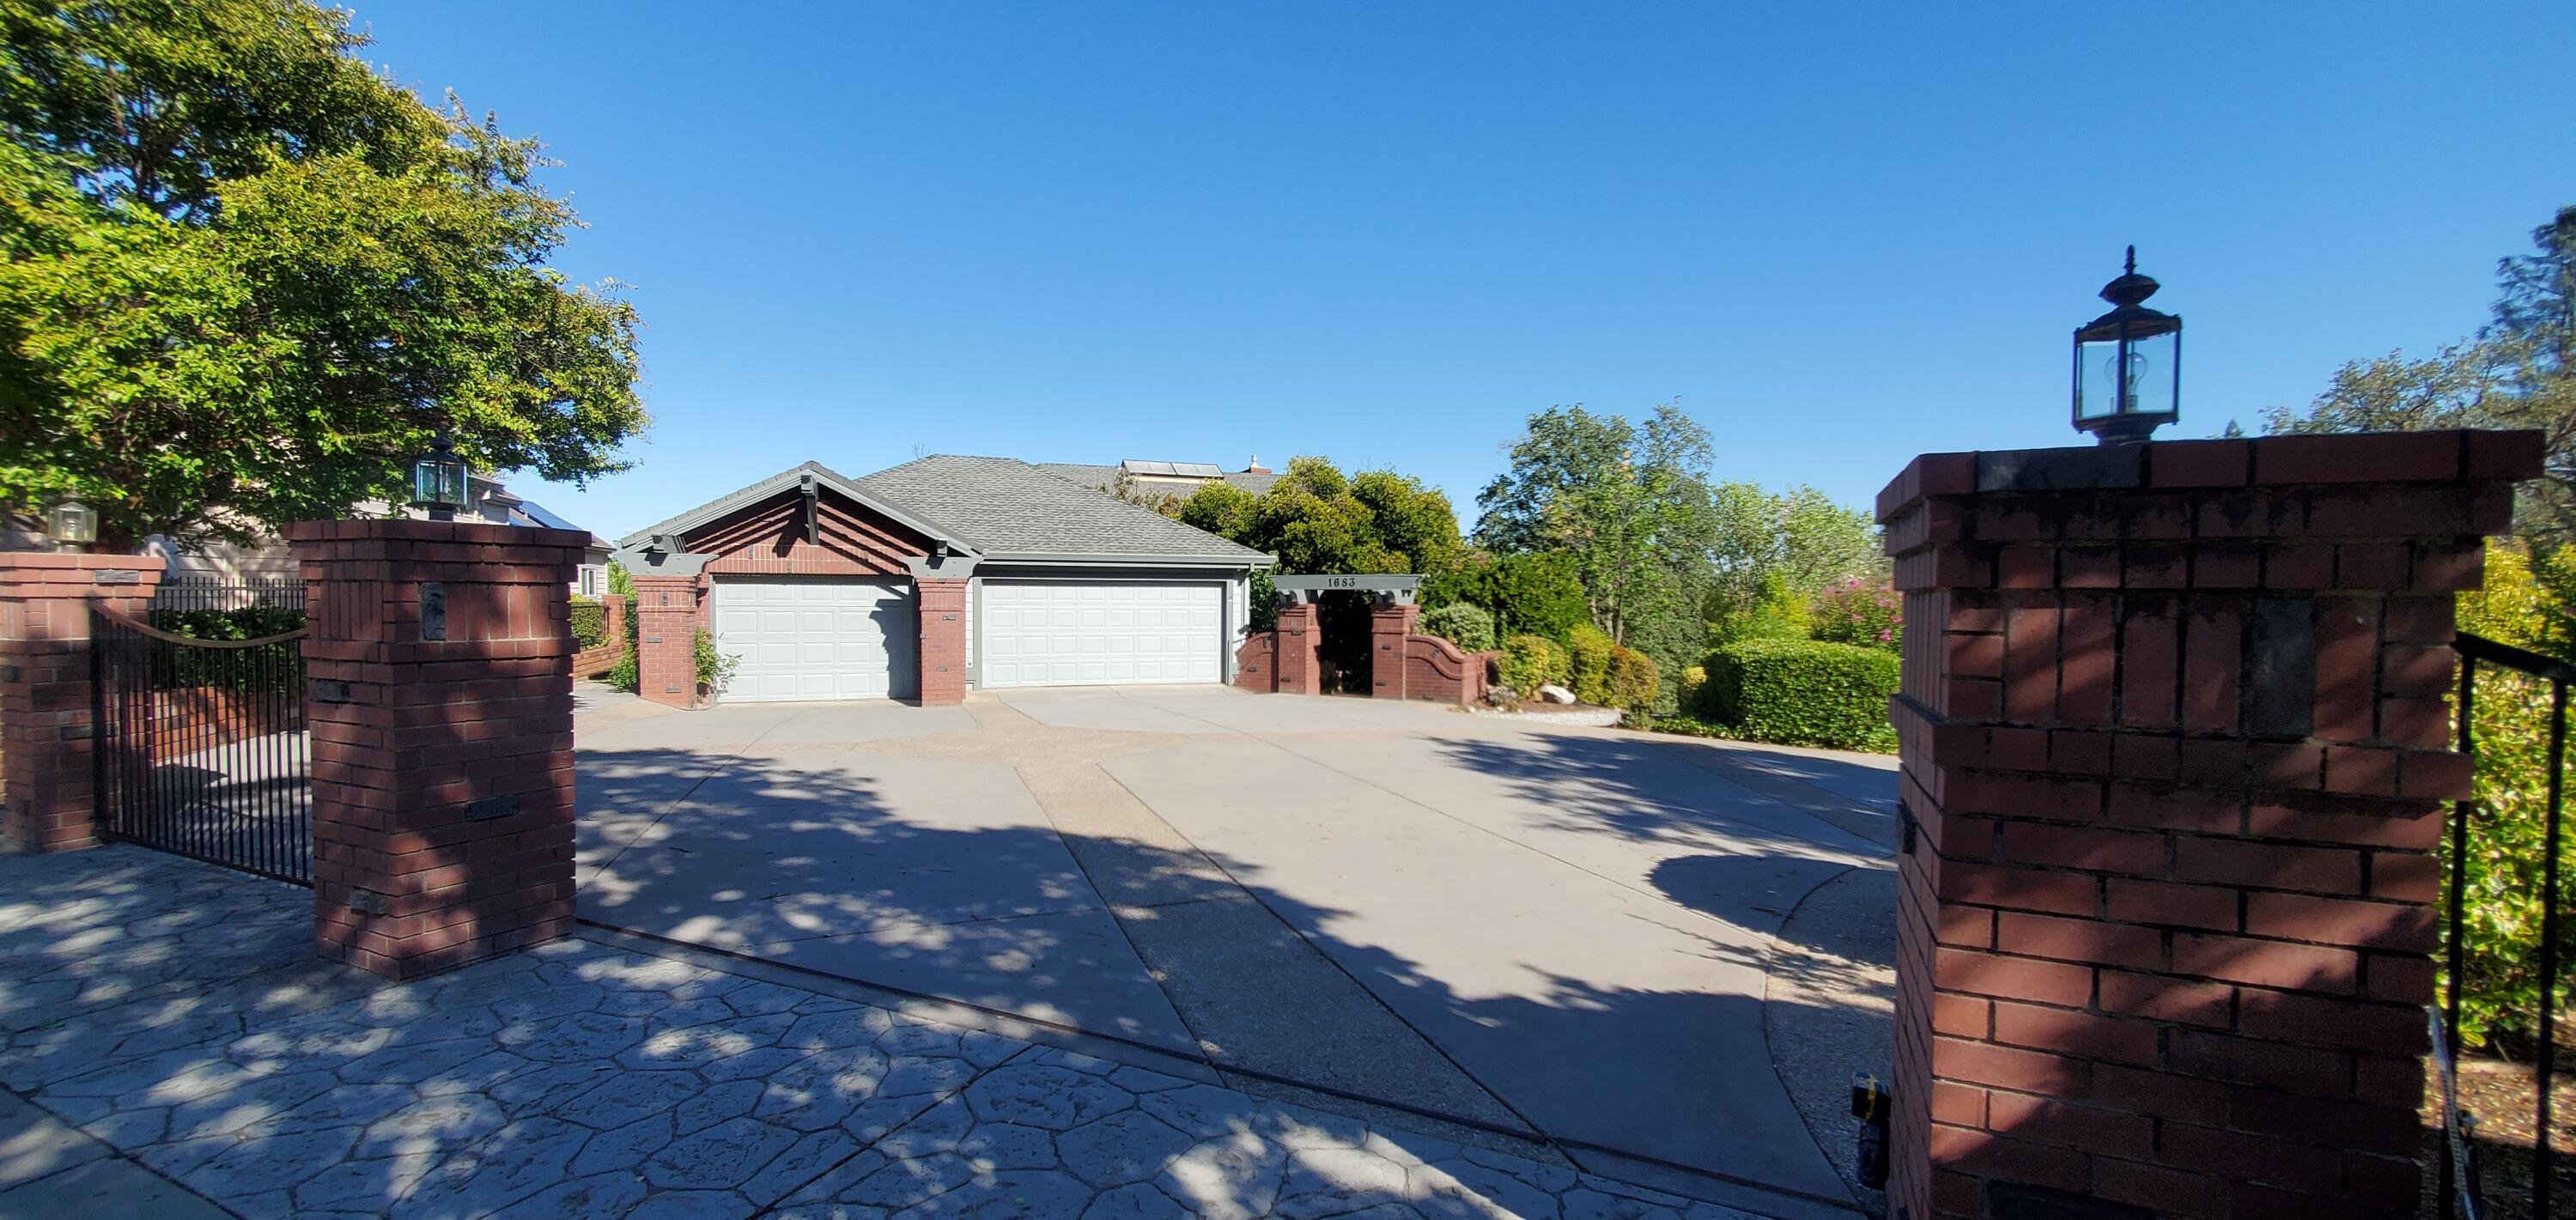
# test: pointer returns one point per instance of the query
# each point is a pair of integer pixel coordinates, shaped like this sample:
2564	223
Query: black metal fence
2502	940
185	594
202	747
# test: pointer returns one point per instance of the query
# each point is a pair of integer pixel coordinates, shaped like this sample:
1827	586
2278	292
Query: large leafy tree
1321	522
243	277
1628	502
1794	544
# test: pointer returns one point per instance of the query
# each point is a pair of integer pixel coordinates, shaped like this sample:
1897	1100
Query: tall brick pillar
440	700
942	651
47	771
666	639
1389	624
2174	745
1298	669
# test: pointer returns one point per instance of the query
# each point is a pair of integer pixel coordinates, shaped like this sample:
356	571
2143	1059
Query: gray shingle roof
1009	509
1107	476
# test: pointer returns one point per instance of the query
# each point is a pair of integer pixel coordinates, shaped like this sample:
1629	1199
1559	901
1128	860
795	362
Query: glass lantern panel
2097	394
451	482
2151	373
75	523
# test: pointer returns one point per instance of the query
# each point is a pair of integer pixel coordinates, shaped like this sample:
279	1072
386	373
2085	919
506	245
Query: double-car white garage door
1091	632
819	638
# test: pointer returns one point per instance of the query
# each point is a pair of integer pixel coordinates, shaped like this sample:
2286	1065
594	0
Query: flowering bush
1872	616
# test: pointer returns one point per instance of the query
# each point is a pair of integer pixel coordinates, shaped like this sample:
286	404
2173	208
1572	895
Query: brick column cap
2341	459
410	530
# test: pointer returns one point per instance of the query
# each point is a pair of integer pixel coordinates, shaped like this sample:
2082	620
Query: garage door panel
1064	633
815	639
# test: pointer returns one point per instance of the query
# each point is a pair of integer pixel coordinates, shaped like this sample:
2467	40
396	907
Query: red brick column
667	620
1294	661
440	699
47	772
1253	667
1388	627
2174	740
942	652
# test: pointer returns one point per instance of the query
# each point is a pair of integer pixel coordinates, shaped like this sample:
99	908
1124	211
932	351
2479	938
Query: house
811	580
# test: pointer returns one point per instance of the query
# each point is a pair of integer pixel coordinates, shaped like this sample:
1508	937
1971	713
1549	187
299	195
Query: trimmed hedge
1802	693
1591	648
1530	662
589	622
1464	624
1632	680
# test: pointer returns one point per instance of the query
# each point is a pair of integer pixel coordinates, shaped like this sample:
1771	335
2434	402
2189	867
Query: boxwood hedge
1802	692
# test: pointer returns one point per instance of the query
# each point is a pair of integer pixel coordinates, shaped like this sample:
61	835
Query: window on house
590	582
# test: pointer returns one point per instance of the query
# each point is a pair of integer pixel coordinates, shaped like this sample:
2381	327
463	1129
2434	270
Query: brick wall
669	613
942	606
1256	662
1389	627
47	773
2174	740
1436	670
440	700
1299	670
592	662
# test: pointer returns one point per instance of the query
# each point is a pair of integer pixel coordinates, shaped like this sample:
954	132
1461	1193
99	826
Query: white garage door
1081	633
816	639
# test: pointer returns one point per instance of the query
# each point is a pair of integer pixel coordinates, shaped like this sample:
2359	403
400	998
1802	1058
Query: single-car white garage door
816	638
1092	632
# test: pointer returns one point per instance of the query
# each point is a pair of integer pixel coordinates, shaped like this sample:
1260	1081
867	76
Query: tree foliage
1322	523
243	277
2518	372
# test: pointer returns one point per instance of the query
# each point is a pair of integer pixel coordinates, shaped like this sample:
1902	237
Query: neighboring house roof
1106	477
1010	509
540	514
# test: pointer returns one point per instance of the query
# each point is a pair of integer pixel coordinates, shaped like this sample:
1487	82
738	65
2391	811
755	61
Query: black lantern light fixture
72	524
2128	364
438	480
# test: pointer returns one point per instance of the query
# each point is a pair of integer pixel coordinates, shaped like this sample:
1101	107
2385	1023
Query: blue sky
1386	233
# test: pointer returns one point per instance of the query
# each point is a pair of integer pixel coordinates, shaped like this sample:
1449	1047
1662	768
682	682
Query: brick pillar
942	652
2175	743
666	639
440	698
1388	626
47	772
1298	670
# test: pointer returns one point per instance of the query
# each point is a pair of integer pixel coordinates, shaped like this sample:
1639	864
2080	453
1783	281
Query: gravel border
1829	1008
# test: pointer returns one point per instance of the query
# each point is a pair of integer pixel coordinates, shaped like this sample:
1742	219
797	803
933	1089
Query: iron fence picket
2460	1190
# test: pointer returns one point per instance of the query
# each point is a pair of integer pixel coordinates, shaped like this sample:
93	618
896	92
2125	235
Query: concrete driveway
1544	933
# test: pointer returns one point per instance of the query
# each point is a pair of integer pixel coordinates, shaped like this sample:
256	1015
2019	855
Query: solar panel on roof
1132	466
1197	470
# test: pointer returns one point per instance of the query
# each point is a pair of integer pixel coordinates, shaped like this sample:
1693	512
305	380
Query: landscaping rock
1553	693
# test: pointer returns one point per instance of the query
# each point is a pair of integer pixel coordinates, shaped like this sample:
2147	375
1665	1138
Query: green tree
1321	523
1792	546
243	277
1629	503
2519	372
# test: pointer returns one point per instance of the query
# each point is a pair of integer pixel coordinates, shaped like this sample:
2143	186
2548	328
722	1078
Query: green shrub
1776	614
1264	603
1465	625
622	583
589	622
1872	616
2525	603
714	668
1591	648
1802	692
1632	680
1687	692
1530	662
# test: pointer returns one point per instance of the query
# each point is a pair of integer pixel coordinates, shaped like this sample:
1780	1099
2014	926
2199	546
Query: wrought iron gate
202	747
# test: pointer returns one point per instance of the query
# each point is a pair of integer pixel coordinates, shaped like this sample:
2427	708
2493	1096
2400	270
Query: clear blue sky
1386	233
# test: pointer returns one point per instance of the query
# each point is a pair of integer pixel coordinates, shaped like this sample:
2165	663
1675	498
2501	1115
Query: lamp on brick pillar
440	705
439	480
2173	757
2128	364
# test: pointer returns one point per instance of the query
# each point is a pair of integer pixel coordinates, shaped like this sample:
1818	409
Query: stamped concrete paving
174	1013
1543	932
